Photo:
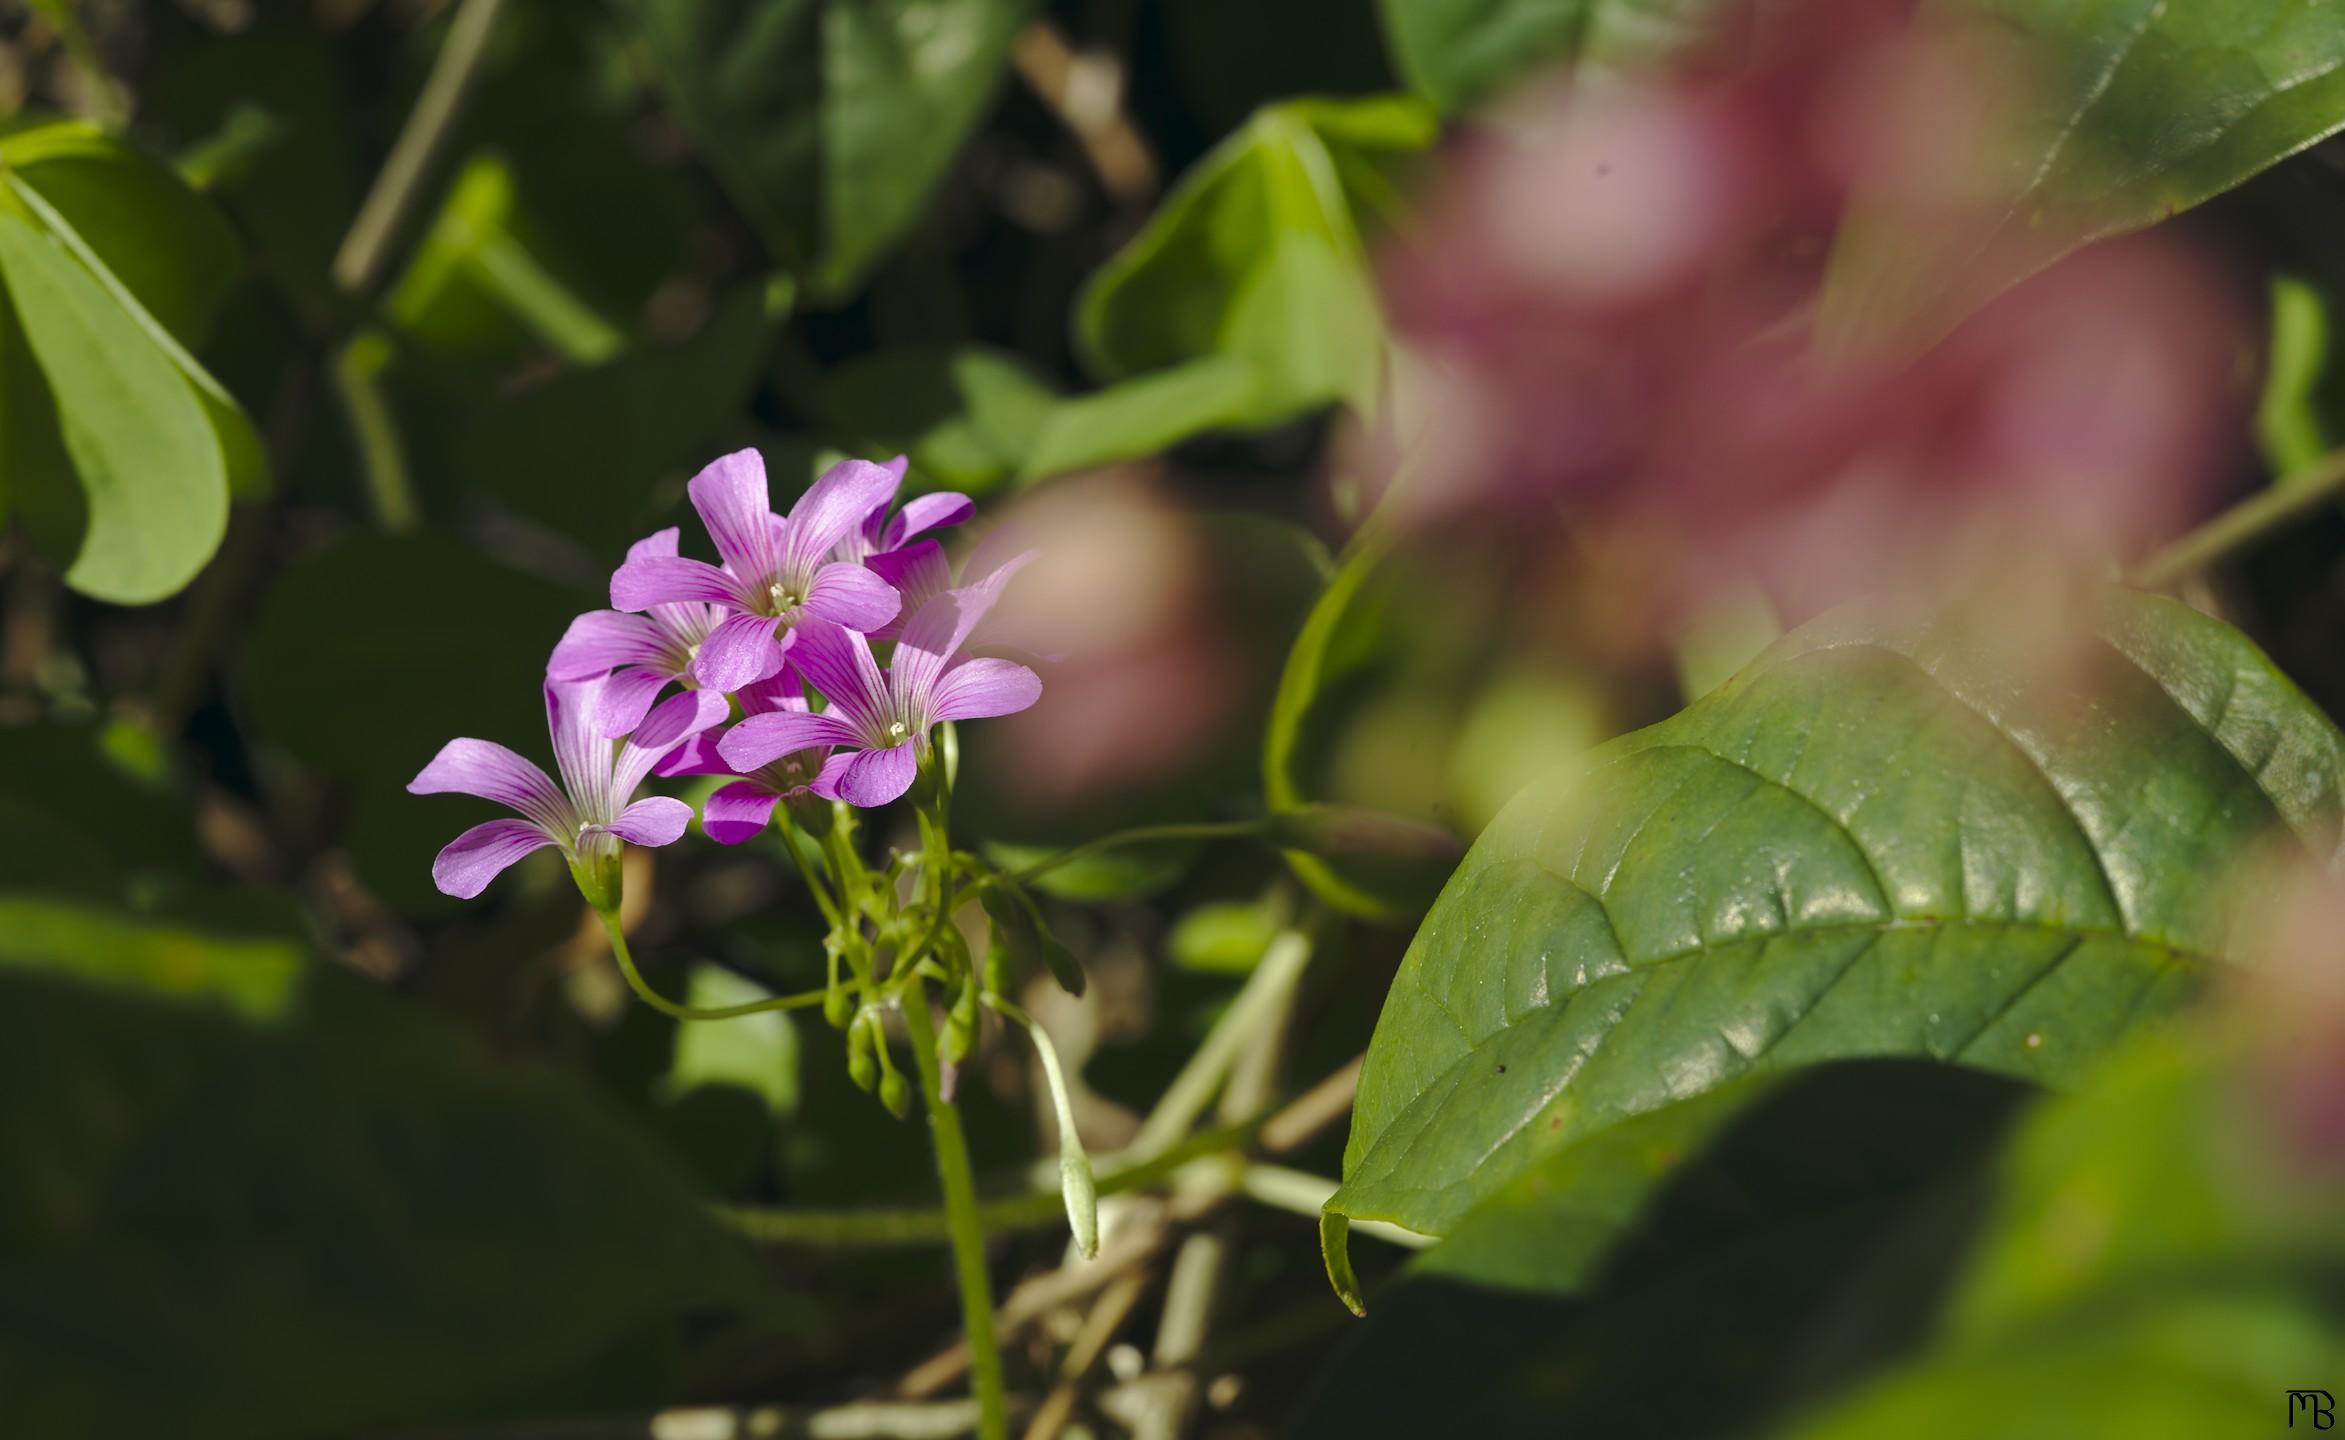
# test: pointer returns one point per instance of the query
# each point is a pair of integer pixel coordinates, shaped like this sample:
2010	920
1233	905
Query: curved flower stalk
641	653
739	812
879	721
588	814
777	572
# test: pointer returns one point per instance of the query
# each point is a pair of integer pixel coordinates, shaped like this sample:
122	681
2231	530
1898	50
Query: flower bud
838	1007
895	1094
862	1063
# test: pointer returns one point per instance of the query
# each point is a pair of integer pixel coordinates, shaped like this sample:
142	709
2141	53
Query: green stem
2244	525
963	1223
105	95
1141	835
357	372
777	1225
803	1000
358	264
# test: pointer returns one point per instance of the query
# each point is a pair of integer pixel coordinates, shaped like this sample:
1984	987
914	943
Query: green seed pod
862	1063
838	1007
960	1032
895	1094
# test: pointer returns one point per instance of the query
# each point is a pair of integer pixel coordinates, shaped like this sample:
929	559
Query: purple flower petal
838	663
738	812
937	631
920	573
674	720
763	739
730	494
926	512
582	753
653	820
778	691
845	593
696	756
975	689
740	651
489	770
831	510
868	778
601	641
471	860
669	579
659	544
627	694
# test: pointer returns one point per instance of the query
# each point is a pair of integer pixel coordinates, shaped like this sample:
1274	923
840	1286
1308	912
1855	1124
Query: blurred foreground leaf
2142	108
244	1196
2155	1265
1877	840
1457	53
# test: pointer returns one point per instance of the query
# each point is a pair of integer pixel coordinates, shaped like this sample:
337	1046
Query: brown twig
1085	90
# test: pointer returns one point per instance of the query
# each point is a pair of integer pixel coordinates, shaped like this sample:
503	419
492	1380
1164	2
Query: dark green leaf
1456	53
246	1196
968	416
1017	924
831	120
1875	841
143	450
2147	107
581	451
1687	1271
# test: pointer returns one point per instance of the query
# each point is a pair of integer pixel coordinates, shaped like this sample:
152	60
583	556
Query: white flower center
783	599
897	730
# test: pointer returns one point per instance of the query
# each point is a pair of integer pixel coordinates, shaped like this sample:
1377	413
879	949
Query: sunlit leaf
1257	258
143	451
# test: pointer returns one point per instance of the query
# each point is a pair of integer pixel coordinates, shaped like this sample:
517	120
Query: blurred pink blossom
1613	293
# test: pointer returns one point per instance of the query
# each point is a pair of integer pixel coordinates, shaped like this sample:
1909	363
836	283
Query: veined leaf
1875	841
2143	108
831	119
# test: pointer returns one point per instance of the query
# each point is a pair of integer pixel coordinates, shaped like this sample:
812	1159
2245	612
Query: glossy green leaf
2154	1265
581	452
151	473
246	1195
1690	1270
1456	53
831	120
2145	108
1257	259
1874	841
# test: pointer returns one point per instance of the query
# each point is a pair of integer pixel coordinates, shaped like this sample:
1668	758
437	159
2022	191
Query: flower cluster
796	600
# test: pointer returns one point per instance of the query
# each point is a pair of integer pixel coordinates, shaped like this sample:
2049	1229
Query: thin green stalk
105	96
357	372
1141	835
359	263
805	999
2244	525
963	1223
1028	1211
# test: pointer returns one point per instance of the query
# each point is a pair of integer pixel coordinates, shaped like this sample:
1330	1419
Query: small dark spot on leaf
1502	1069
